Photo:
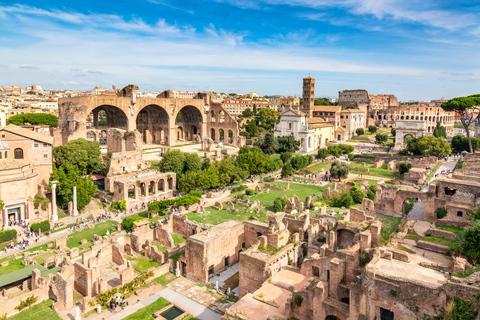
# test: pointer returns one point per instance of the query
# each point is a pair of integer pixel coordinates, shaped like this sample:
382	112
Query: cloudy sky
415	49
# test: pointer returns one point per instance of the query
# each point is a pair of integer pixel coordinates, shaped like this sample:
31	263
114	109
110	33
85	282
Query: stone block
61	243
218	205
74	253
230	206
308	201
4	264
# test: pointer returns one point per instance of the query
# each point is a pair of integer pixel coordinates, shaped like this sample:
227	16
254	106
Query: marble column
54	201
75	210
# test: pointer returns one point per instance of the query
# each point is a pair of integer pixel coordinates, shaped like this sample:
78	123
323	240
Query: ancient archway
91	136
102	138
332	318
107	116
152	121
221	133
212	133
427	200
191	121
413	128
230	136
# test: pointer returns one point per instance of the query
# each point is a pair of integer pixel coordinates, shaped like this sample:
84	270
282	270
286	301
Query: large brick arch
428	201
129	112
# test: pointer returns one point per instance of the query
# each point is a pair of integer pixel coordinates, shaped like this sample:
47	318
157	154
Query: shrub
360	131
404	167
286	156
269	179
8	235
470	241
187	200
344	200
381	137
350	156
120	205
249	192
364	259
322	240
26	303
441	212
357	194
346	148
127	222
371	195
239	188
322	153
287	170
279	203
298	300
372	129
44	226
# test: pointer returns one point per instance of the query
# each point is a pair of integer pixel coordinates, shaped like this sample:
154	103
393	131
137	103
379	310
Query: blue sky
416	49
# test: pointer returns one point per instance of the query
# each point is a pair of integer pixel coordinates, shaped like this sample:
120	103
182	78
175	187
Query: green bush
357	194
441	212
239	188
364	259
360	131
345	200
404	167
279	203
8	235
127	222
371	195
26	303
372	129
120	205
187	200
44	226
249	192
269	179
381	137
298	300
351	156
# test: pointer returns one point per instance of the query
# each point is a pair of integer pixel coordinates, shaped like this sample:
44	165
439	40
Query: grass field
100	229
142	264
356	167
144	313
446	242
300	190
317	167
214	216
389	225
42	310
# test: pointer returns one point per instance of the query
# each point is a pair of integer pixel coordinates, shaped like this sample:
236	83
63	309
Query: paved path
418	210
195	308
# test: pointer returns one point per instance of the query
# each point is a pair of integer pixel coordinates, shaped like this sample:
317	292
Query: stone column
75	210
54	201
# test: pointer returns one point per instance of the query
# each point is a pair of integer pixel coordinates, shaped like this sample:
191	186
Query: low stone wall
454	223
441	233
432	246
8	306
461	290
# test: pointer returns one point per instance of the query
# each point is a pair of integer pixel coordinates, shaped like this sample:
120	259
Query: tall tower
308	95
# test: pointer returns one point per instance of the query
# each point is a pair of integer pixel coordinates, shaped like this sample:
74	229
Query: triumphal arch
163	120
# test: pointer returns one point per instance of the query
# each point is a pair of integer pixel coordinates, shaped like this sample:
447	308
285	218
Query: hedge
189	199
44	226
127	222
8	235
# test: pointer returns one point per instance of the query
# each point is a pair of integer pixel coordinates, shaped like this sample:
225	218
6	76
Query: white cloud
28	66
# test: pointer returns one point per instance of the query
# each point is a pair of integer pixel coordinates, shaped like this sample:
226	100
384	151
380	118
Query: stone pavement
134	308
224	275
195	308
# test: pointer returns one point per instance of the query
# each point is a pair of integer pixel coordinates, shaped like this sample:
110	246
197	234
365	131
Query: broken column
75	210
54	201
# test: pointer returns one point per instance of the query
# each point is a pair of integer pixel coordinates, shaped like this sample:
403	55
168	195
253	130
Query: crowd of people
118	302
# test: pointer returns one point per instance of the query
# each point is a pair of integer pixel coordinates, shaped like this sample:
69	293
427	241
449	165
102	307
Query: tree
460	143
251	128
288	144
357	194
404	167
393	131
360	131
372	129
193	162
440	131
346	148
433	146
466	108
173	161
371	195
343	200
322	102
300	162
206	164
339	170
351	156
187	182
253	160
68	178
381	137
33	118
322	153
247	113
287	170
254	109
286	157
81	153
334	151
267	118
269	145
470	241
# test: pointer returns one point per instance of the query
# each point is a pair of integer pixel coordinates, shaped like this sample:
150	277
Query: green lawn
177	255
165	279
100	229
357	168
446	242
178	239
144	313
389	225
317	167
42	311
41	258
300	190
459	125
142	264
214	216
